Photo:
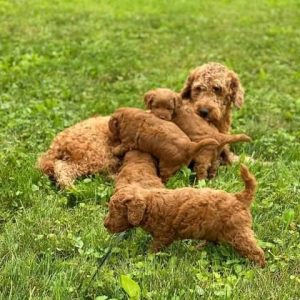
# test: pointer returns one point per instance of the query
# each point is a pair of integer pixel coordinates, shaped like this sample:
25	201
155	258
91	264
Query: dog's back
150	134
139	168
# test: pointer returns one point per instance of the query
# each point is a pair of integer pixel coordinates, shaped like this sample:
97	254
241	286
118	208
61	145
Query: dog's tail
246	196
205	143
234	138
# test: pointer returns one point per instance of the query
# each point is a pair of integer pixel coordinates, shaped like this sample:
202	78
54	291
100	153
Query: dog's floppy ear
135	210
186	91
177	100
148	99
236	90
113	125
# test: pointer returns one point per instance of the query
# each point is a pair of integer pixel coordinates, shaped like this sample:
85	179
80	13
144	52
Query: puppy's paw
232	158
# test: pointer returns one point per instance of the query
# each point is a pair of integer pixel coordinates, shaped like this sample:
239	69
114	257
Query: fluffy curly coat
214	89
136	129
139	169
168	105
188	213
84	148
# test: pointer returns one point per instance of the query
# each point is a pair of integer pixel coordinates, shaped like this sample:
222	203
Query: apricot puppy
140	169
168	105
136	129
188	213
82	149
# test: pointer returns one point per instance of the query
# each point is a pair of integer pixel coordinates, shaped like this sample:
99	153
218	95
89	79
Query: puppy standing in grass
167	105
139	170
188	213
214	89
136	129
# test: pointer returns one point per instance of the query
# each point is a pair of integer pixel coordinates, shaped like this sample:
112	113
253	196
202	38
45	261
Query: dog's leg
212	171
228	157
245	243
202	164
201	171
65	173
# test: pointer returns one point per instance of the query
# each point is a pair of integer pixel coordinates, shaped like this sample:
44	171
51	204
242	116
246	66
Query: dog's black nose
105	223
203	112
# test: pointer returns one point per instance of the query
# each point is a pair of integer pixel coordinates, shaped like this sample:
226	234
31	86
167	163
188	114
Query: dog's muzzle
204	112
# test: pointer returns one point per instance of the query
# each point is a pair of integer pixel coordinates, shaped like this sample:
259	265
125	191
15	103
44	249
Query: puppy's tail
197	147
229	139
246	196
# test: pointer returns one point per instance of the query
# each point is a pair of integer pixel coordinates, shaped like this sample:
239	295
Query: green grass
63	61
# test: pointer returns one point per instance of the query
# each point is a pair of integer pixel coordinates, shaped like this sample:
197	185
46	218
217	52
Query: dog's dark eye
217	89
199	89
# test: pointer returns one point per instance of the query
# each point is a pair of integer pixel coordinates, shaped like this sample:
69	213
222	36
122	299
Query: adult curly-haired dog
84	148
168	105
188	213
136	129
214	89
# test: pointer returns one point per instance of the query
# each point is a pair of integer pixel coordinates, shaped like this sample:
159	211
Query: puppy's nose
105	223
203	112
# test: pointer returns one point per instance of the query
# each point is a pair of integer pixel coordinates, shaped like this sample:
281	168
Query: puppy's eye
198	88
217	89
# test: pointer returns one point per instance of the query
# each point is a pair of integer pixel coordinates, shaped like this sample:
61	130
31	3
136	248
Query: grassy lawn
63	61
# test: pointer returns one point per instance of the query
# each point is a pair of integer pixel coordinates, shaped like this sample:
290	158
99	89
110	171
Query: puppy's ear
135	210
177	101
148	99
113	125
186	91
236	90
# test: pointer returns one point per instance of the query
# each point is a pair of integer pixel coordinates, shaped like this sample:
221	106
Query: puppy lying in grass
167	105
82	149
188	213
136	129
138	168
